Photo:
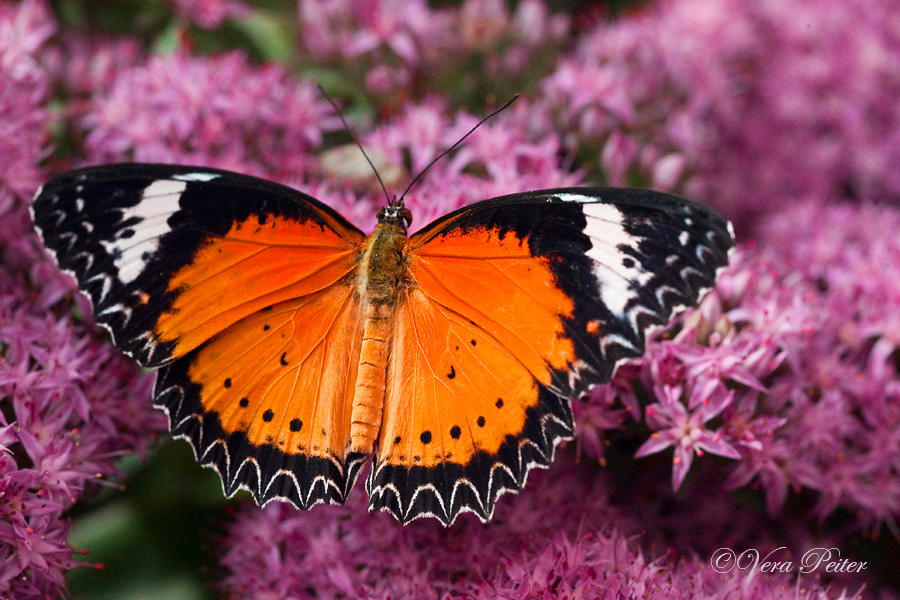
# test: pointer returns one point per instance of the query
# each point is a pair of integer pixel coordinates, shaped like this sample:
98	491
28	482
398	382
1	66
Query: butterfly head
395	214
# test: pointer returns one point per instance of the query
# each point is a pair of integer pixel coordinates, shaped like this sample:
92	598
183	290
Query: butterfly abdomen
368	397
384	267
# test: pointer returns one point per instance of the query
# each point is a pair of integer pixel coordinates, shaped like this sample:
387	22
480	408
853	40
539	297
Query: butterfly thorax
383	272
384	263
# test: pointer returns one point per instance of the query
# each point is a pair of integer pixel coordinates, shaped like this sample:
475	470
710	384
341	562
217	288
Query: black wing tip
672	251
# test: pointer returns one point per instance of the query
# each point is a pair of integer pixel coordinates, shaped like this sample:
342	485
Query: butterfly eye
405	216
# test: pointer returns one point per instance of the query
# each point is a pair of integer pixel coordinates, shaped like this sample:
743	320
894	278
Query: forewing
512	306
245	292
172	255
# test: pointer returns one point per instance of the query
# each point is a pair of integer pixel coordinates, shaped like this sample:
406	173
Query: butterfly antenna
356	141
460	141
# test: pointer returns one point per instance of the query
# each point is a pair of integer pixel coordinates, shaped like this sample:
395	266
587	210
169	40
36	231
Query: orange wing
245	292
512	306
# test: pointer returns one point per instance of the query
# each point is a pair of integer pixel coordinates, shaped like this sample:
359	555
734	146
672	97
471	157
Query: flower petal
656	443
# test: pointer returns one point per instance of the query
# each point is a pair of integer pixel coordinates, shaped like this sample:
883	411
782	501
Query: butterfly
291	347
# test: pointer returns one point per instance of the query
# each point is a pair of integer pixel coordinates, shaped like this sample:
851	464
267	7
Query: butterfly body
382	274
291	347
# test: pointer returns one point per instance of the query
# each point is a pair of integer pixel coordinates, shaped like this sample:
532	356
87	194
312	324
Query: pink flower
799	331
351	28
210	111
535	25
483	23
384	80
618	156
595	414
84	64
72	406
555	541
667	171
396	47
686	431
343	550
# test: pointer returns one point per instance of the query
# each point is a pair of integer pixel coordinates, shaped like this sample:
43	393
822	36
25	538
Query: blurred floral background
769	418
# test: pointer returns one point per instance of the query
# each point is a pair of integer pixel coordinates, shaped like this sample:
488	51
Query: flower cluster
24	88
561	539
209	14
81	64
740	105
349	29
70	405
400	47
346	552
218	111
